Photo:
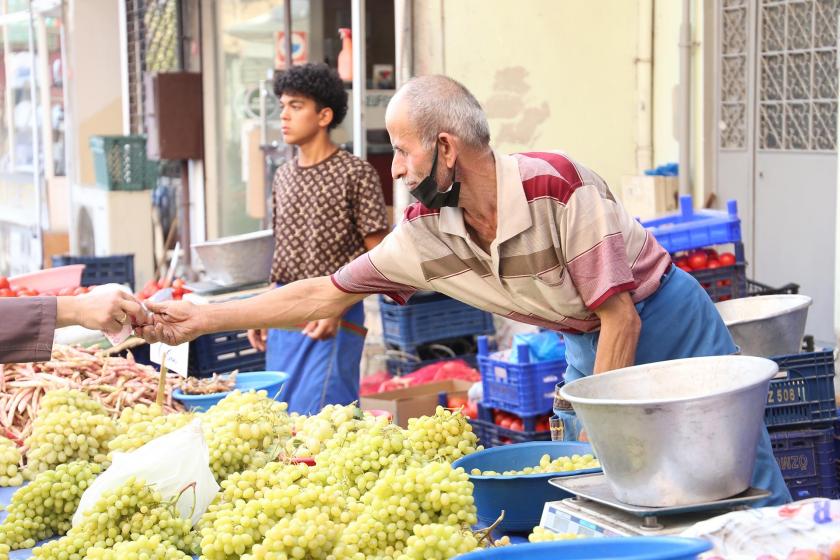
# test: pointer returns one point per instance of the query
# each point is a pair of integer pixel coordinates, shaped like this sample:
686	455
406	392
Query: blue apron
321	372
678	321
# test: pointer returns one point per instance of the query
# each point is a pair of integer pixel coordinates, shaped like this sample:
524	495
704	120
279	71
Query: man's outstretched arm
292	305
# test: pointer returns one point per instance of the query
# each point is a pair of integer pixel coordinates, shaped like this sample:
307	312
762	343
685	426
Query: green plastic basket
120	163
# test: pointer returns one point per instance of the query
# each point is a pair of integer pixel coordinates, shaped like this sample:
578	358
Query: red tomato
698	260
66	291
178	284
78	291
713	263
4	283
456	402
517	425
506	422
471	411
543	425
26	292
6	292
726	259
177	294
711	253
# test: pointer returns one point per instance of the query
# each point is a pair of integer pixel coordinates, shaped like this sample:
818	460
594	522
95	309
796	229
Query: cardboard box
646	197
413	402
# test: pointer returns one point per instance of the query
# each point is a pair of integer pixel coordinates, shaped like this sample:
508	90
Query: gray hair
440	104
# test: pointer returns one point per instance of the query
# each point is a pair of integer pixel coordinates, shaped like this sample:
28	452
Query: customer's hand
323	329
107	310
258	338
174	322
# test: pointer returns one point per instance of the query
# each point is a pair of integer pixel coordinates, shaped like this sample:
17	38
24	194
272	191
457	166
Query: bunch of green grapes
144	547
308	533
541	534
131	511
249	485
546	465
438	541
10	458
244	431
312	432
360	449
234	530
135	428
44	508
402	498
70	426
446	435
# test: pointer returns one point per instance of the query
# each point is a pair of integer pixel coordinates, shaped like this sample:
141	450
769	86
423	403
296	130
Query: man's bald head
435	104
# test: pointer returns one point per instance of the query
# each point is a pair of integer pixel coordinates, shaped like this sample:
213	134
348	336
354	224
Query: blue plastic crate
223	353
807	460
523	388
692	229
612	548
806	394
725	282
118	269
428	318
493	435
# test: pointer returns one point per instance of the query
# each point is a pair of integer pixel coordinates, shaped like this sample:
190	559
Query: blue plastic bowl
268	381
522	496
612	548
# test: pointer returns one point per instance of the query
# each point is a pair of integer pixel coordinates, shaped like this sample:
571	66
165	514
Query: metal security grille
797	89
154	31
733	81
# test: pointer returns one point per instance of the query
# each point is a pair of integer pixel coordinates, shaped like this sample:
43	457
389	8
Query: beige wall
666	79
95	89
561	74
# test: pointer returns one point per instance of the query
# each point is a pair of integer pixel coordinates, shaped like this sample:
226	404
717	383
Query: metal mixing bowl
239	259
766	325
676	433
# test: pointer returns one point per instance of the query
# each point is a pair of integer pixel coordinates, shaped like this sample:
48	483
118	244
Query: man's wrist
67	311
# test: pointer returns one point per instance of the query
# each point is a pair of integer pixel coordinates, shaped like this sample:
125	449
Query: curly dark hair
318	82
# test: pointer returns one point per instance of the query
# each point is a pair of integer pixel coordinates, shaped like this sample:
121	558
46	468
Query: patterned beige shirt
321	215
563	246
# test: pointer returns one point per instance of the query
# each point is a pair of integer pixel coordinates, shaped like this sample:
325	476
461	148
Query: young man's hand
258	338
323	329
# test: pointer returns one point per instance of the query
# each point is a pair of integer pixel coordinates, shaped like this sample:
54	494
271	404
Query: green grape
144	547
44	508
402	498
135	428
10	459
244	431
69	426
541	534
126	513
446	435
234	530
312	432
437	541
547	465
308	533
360	449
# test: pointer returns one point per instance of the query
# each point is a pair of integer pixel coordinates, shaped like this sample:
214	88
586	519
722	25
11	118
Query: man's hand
257	338
323	329
105	311
175	322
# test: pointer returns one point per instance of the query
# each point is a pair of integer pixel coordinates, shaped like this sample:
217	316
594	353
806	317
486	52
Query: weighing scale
595	511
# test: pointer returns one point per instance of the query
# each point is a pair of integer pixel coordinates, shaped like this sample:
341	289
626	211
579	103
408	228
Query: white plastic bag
169	463
773	533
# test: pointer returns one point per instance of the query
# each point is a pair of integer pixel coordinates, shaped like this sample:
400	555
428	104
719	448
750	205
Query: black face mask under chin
428	193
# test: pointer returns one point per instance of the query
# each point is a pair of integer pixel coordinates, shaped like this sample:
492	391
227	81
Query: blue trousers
321	372
678	321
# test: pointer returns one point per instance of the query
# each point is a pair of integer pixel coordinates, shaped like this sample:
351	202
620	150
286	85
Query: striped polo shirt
563	246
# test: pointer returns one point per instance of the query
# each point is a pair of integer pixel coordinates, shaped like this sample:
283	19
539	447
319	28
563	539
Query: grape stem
486	532
190	486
